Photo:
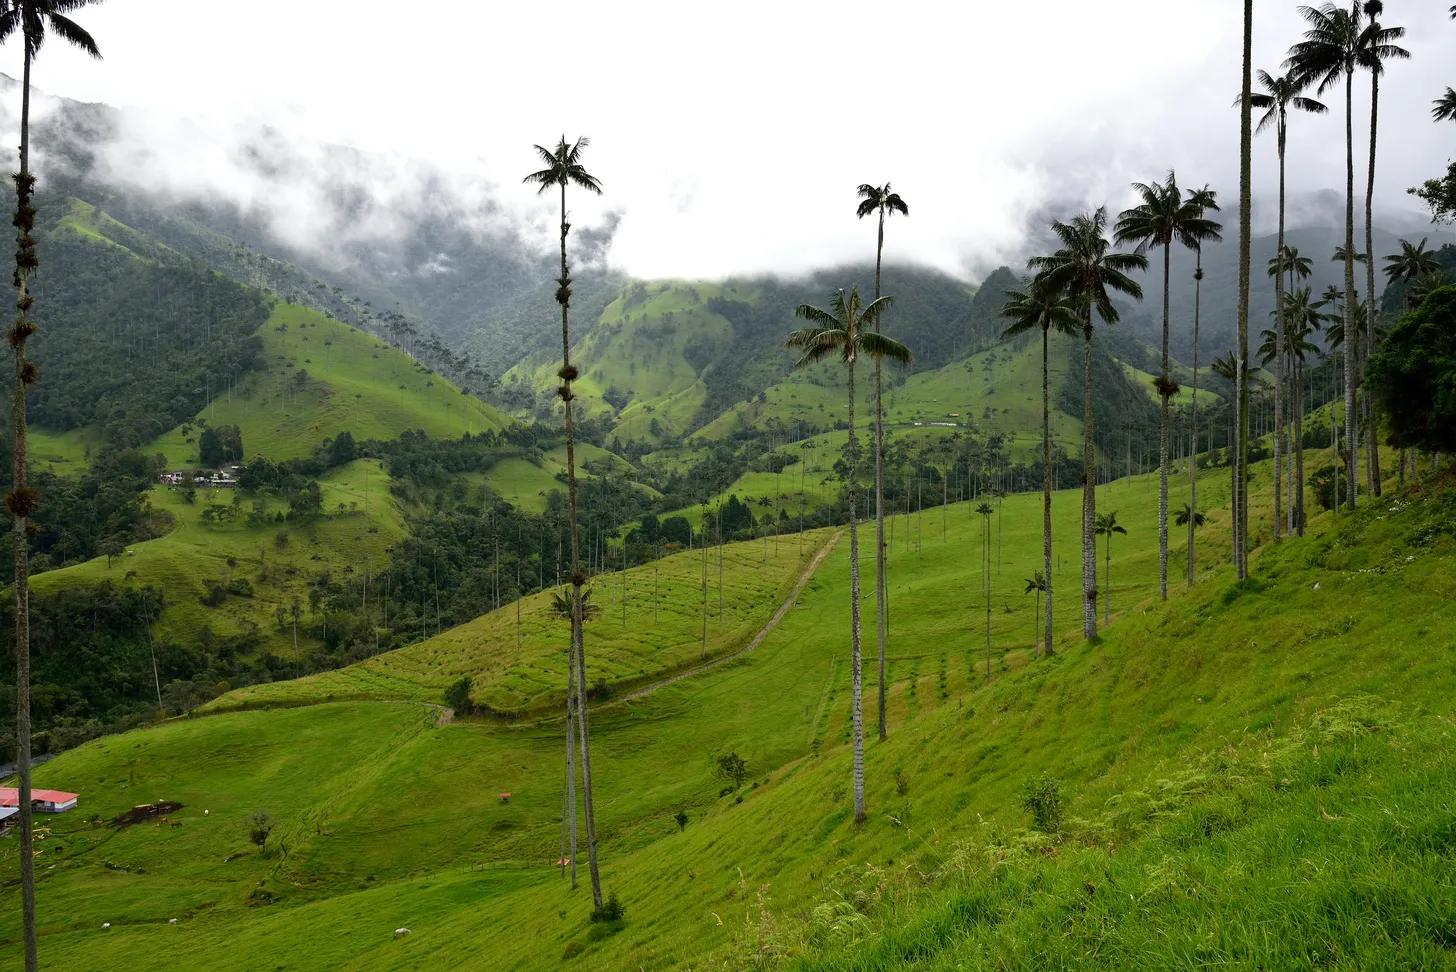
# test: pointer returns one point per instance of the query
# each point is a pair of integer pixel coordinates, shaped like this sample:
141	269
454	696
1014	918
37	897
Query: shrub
682	820
731	767
260	826
902	783
457	697
612	910
1042	798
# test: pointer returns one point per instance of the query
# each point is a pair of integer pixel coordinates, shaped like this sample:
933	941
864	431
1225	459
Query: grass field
66	453
517	662
322	378
198	550
1253	774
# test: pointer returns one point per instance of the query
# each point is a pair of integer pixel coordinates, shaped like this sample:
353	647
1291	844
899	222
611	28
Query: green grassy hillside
360	522
650	344
324	378
1253	774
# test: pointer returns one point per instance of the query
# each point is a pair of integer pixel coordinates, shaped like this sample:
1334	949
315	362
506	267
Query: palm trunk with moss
1246	139
1279	339
1352	337
1164	433
1089	488
856	676
578	647
22	503
1193	461
881	593
1046	481
1372	463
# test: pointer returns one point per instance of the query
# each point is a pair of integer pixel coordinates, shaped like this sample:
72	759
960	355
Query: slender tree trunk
1163	444
21	505
568	373
1193	463
1372	464
1279	336
1046	481
1107	594
568	794
854	624
881	619
1297	496
1352	337
1089	491
1245	201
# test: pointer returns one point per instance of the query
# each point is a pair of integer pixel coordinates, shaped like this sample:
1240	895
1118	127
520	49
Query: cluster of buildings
226	476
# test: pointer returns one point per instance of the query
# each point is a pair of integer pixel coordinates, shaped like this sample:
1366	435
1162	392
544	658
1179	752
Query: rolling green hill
321	378
213	542
1291	729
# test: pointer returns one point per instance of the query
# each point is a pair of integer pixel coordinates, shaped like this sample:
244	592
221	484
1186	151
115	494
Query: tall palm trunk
22	502
1107	579
881	618
1352	339
1296	498
1046	481
1193	461
854	631
568	794
1163	436
1246	139
1089	490
578	647
1279	340
1372	464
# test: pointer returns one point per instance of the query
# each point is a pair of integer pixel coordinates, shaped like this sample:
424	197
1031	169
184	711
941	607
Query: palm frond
72	33
883	347
817	315
1444	110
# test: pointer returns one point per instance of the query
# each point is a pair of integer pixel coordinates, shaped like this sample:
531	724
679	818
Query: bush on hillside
1413	375
611	910
1042	798
457	697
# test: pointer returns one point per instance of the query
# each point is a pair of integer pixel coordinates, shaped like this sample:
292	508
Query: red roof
10	796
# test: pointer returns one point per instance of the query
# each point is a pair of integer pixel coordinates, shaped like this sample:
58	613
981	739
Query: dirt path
757	638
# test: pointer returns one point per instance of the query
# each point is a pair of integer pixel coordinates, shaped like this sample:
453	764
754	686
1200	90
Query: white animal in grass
401	932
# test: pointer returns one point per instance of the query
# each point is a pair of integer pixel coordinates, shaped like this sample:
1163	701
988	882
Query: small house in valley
46	801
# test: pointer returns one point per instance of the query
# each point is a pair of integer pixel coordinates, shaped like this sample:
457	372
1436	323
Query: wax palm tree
1291	265
1086	268
1162	219
1107	525
986	509
33	21
1228	368
1207	201
564	168
1445	106
1422	286
1281	96
1036	582
849	329
1187	516
1045	308
1330	52
1246	152
884	202
1377	46
1410	263
561	606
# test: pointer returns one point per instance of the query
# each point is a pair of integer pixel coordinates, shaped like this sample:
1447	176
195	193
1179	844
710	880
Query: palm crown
1163	218
1280	95
879	199
1445	106
33	18
1086	268
1107	524
1412	261
563	167
1330	49
1040	307
847	328
1300	266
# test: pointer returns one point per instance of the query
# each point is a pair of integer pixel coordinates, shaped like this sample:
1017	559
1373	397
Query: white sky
731	136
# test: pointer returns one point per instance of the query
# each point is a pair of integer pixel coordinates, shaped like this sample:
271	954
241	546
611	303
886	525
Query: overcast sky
731	136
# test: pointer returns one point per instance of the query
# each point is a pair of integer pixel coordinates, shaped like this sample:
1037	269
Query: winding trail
763	633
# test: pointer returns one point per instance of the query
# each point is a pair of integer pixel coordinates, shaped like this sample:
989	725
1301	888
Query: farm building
46	801
7	816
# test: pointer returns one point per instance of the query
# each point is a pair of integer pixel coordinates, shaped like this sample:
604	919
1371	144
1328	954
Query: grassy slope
1185	742
196	551
639	347
353	385
662	633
